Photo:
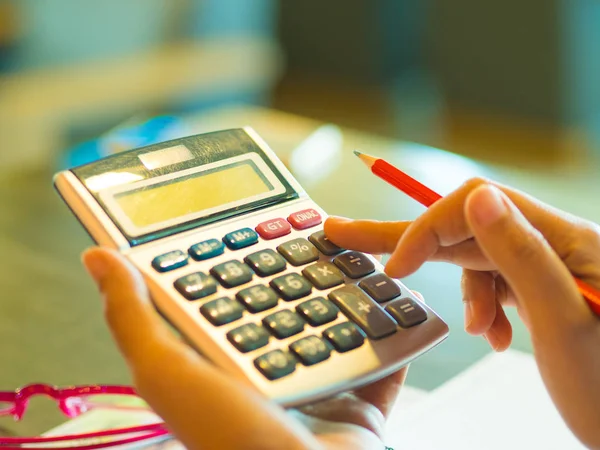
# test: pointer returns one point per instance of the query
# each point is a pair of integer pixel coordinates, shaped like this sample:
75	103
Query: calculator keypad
222	310
248	337
240	238
311	350
318	311
323	275
354	264
196	285
258	298
406	312
344	336
364	311
291	286
381	287
231	273
298	252
266	262
362	318
206	249
323	244
275	364
170	261
284	324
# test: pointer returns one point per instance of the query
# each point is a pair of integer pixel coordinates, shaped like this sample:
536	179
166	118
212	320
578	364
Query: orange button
305	219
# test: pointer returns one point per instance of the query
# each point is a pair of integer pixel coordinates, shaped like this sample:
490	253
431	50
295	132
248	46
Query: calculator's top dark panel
203	149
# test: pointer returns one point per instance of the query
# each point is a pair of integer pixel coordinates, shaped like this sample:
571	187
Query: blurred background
507	89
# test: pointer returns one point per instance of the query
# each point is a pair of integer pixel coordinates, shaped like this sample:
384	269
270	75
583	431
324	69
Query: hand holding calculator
235	258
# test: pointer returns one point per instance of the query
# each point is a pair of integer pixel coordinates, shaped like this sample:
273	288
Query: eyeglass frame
71	404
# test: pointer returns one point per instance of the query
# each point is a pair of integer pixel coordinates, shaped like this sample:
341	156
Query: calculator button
305	219
266	262
380	287
311	350
344	336
323	243
258	298
323	275
407	312
317	311
284	323
365	312
240	238
196	285
248	337
222	310
291	286
298	252
232	273
170	261
275	364
273	228
206	249
354	264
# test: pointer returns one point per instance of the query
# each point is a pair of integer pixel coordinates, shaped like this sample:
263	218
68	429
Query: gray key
363	311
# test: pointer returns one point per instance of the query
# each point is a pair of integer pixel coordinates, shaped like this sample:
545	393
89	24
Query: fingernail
338	219
468	315
95	264
488	205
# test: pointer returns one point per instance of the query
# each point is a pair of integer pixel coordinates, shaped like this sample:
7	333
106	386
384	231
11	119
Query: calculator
235	258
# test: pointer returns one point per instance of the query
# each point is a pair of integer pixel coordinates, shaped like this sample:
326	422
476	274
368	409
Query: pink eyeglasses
74	401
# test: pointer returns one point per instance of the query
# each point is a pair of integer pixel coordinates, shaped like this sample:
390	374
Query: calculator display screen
198	192
171	187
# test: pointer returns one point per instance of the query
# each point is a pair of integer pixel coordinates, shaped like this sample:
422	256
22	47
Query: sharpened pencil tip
357	153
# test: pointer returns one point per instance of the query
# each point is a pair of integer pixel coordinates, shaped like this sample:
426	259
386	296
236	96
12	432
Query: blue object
240	238
206	249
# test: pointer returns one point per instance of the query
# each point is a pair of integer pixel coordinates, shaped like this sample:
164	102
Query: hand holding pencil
427	197
515	251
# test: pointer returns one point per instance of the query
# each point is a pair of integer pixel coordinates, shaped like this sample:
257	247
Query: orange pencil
427	197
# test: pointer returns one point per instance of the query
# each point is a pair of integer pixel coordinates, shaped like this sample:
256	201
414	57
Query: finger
367	407
444	225
466	254
419	296
479	299
499	335
179	385
364	235
526	261
383	393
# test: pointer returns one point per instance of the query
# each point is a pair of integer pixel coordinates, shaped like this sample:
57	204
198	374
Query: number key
196	285
265	262
232	273
258	298
222	310
317	311
248	337
298	251
275	364
291	286
284	323
311	350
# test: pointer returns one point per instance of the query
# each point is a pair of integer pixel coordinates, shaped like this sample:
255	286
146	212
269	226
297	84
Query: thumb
542	283
132	320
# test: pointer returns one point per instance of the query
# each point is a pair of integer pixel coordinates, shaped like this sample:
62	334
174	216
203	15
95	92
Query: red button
274	228
305	219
